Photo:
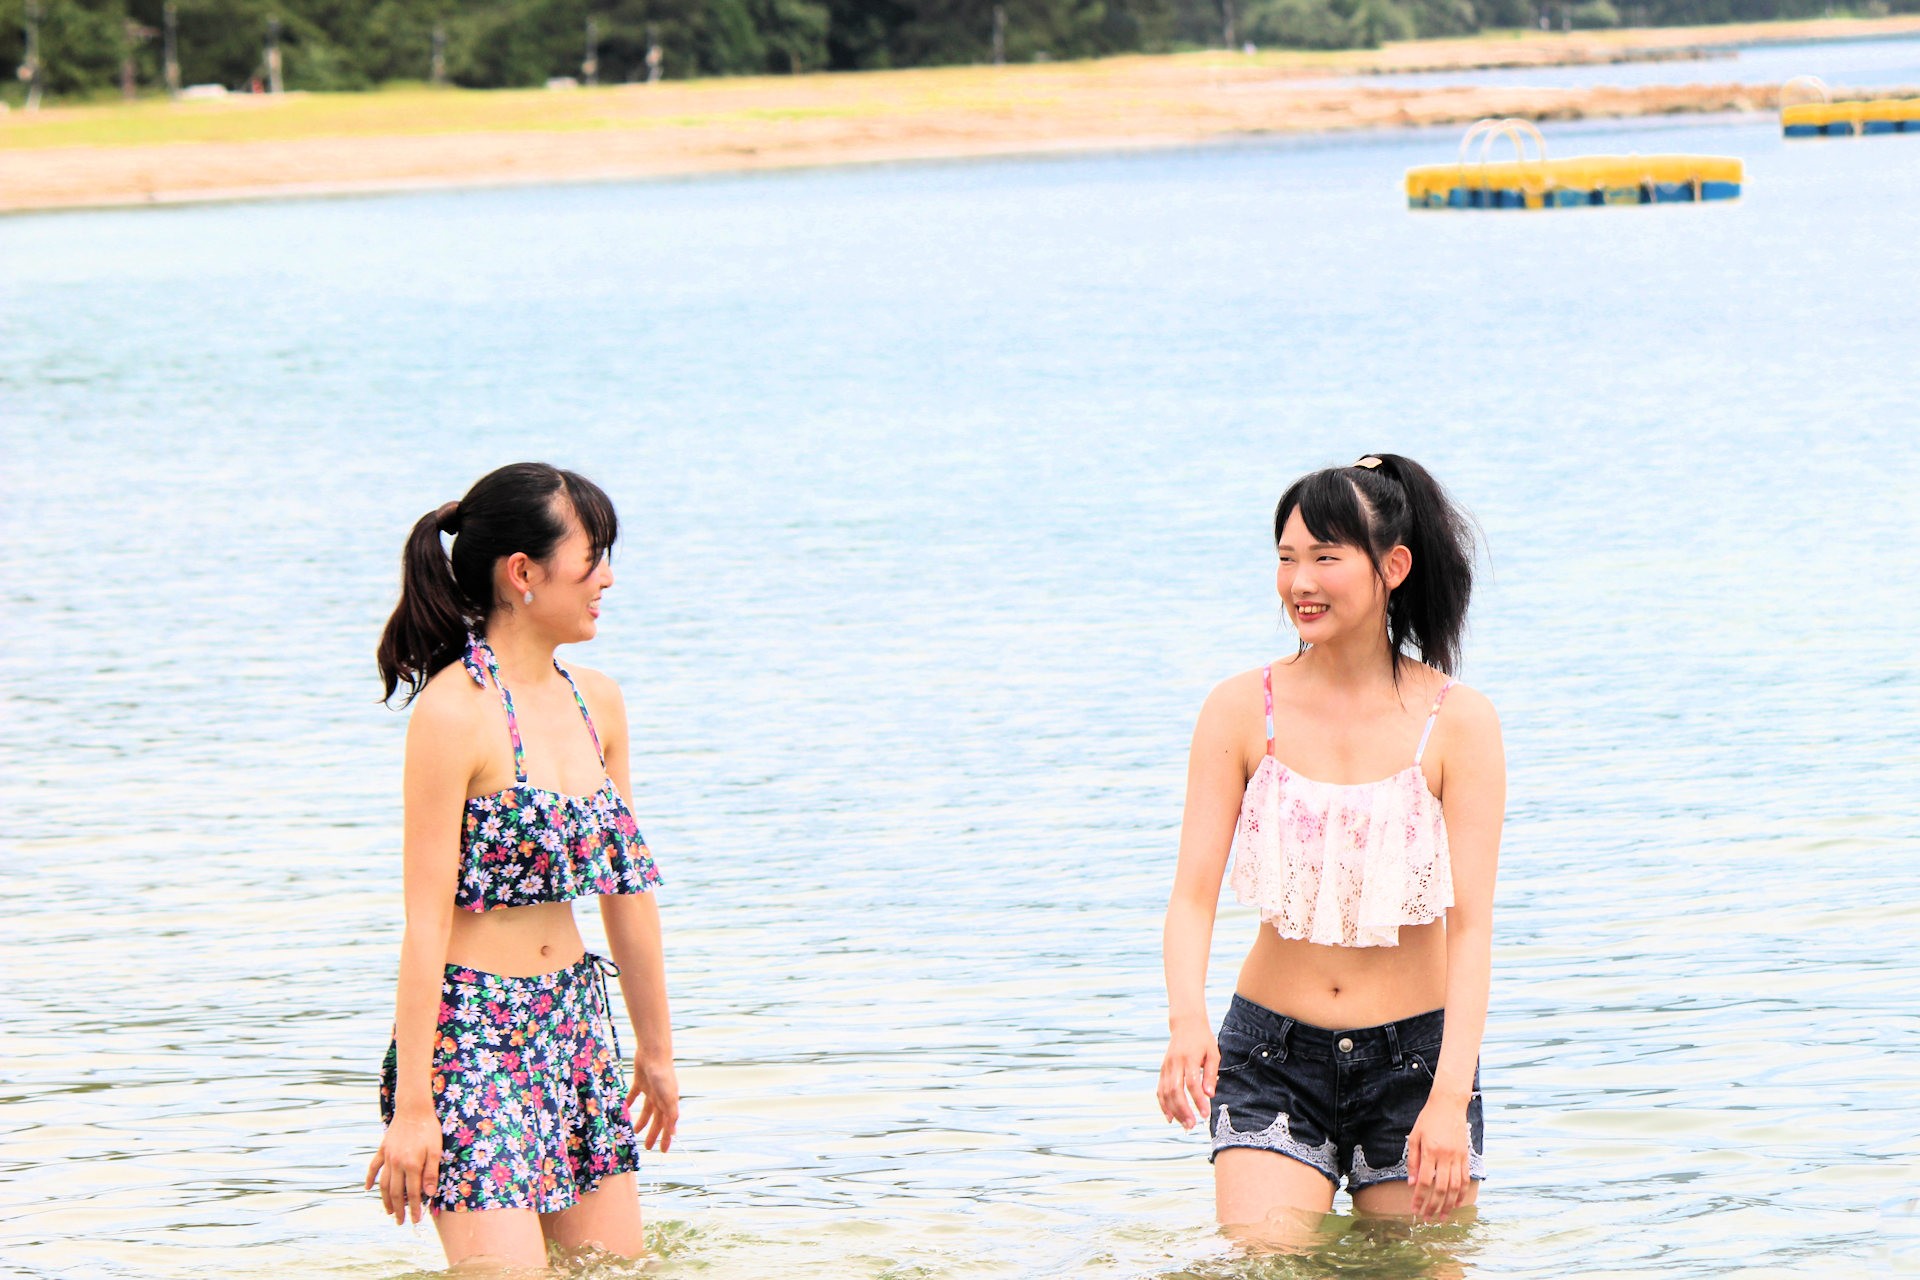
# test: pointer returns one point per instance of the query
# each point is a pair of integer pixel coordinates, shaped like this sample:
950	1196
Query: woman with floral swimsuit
508	1117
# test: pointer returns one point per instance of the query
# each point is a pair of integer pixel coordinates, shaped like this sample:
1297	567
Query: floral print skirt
528	1087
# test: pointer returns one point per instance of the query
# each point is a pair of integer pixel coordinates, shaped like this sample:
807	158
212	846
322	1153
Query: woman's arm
1216	781
1474	801
438	768
633	935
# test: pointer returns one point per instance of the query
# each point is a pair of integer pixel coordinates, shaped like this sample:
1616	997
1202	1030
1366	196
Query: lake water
1882	63
945	493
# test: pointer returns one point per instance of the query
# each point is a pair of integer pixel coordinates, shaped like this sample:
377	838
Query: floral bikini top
528	844
1344	866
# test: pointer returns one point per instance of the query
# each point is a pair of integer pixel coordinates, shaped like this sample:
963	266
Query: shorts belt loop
1393	1044
1280	1049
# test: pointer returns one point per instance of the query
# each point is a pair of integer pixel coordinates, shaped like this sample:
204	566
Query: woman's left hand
1437	1158
659	1116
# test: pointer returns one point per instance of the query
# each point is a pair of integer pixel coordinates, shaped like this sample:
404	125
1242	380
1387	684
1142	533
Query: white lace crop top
1342	865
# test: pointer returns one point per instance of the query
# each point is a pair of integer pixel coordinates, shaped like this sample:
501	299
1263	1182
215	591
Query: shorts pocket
1420	1063
1239	1048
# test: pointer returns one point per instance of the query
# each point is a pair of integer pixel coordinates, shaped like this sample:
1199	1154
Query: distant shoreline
243	147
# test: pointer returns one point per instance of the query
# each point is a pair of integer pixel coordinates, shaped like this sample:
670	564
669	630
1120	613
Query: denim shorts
1341	1101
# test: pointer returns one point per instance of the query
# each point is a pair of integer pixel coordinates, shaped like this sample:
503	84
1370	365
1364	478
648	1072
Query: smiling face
566	586
1331	590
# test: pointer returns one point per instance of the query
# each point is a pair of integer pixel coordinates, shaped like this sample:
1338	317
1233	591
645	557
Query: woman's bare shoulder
1237	689
1233	707
1467	712
451	703
597	686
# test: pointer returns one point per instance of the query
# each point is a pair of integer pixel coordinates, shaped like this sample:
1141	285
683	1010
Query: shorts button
1346	1044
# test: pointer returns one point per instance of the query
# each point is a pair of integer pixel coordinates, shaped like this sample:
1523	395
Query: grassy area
420	110
395	110
426	110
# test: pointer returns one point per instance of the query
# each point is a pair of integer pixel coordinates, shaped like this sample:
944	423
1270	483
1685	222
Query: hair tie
1369	462
448	517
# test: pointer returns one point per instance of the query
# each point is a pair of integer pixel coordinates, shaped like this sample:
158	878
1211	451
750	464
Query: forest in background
93	47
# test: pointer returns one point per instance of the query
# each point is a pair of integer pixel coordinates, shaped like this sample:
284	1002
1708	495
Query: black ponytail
446	593
1386	500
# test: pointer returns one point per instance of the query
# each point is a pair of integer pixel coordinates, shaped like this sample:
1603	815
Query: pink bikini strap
1434	715
1266	676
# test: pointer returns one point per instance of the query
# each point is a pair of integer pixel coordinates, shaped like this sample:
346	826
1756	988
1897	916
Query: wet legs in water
1268	1201
608	1217
1274	1203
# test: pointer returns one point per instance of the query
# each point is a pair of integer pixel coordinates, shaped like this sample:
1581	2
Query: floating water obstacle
1812	112
1535	182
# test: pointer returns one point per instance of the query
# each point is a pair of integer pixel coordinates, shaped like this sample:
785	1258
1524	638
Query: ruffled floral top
1339	865
529	844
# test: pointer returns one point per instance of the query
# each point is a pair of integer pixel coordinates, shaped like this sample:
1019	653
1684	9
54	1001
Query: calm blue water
1882	63
944	493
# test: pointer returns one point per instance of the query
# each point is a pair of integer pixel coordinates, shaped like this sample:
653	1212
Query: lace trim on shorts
1277	1136
1365	1175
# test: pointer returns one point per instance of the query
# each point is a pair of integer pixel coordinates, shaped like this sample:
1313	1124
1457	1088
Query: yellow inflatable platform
1807	110
1535	182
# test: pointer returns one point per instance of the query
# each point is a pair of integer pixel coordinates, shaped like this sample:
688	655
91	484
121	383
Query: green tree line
86	46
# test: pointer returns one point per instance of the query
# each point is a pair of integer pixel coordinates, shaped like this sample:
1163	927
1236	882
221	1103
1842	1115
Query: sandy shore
160	152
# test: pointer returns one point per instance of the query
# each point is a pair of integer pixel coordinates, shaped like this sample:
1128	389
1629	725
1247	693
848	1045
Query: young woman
1367	790
507	1116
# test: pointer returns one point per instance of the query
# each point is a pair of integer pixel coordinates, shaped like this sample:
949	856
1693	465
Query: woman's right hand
1189	1074
407	1166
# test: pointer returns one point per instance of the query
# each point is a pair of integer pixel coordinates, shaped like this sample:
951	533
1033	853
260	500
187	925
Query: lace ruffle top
1342	865
530	844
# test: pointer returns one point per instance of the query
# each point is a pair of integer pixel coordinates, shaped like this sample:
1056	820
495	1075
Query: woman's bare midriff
1341	988
516	942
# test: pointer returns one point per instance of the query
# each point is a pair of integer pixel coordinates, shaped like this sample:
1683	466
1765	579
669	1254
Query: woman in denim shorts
1364	825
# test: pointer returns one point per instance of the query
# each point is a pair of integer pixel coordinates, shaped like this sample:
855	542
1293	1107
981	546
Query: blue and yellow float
1535	182
1807	110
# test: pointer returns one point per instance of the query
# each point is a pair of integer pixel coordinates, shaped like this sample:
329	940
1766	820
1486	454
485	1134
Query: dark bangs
594	510
1330	506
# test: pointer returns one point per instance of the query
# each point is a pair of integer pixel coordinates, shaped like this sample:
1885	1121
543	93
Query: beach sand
247	147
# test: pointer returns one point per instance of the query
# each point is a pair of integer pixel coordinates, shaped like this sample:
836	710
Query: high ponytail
447	592
1387	500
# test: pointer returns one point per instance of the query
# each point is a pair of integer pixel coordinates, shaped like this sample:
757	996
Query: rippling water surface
944	493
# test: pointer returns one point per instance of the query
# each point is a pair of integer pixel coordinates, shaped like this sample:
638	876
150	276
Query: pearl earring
528	598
